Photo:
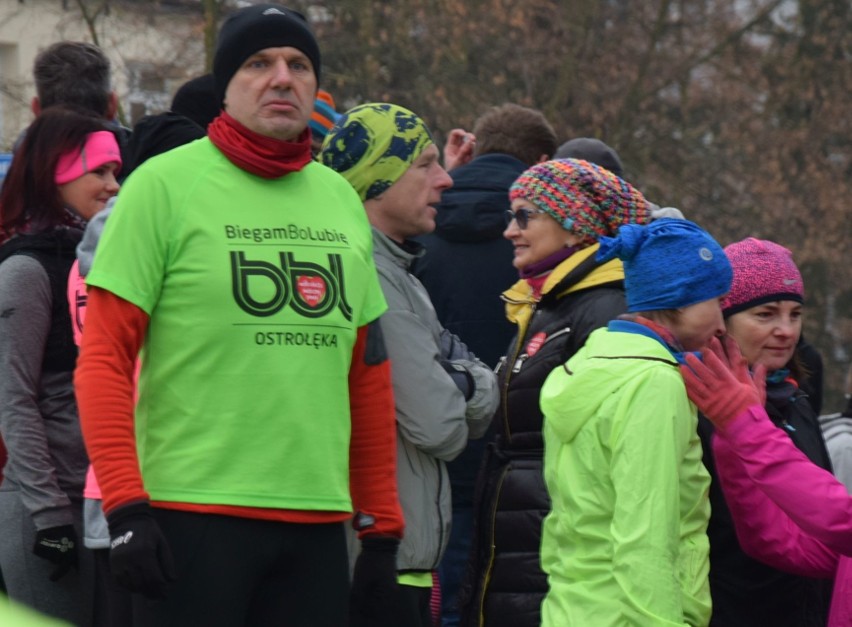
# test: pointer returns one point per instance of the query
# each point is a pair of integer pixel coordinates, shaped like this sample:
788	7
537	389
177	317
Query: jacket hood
473	209
604	365
91	237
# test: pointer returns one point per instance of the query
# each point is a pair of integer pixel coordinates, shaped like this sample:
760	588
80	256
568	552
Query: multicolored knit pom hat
373	145
324	116
582	197
764	272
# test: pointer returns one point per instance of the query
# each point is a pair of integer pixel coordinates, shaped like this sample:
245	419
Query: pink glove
721	386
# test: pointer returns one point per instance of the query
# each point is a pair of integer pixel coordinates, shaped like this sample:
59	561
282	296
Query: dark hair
30	196
514	130
73	73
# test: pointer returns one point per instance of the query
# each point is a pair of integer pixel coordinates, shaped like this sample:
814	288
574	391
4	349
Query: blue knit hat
668	264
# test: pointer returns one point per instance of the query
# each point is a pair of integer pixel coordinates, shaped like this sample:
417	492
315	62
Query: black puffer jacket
746	592
505	584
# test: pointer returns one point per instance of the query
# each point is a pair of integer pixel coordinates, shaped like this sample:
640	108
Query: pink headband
100	148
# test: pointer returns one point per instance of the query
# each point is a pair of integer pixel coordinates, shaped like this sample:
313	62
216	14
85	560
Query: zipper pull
519	362
500	365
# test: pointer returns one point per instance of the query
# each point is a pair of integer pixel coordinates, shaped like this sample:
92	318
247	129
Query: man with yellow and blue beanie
443	393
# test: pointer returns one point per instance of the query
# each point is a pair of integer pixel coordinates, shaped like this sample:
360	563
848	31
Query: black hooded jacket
505	585
468	263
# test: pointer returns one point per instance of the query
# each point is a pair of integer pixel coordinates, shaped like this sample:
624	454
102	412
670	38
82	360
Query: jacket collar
578	272
402	255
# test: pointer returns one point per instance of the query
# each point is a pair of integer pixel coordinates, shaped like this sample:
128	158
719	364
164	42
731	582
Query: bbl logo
308	288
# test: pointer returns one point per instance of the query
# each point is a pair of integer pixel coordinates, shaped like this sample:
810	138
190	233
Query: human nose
444	181
112	184
785	327
720	324
281	74
512	229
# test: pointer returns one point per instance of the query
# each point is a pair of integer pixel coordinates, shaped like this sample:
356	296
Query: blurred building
154	47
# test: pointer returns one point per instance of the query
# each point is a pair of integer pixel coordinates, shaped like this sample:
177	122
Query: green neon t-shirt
255	290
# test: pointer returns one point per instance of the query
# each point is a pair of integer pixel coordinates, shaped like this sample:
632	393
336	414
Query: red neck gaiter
261	155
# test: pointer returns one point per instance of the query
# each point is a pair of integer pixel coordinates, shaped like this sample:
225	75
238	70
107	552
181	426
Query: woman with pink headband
62	175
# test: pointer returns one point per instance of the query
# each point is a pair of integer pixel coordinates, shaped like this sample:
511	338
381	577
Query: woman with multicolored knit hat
560	209
763	313
625	542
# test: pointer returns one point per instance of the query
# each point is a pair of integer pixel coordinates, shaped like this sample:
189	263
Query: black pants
113	604
239	572
408	608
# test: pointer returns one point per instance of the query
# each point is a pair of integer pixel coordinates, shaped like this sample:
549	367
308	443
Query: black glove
461	377
57	545
374	580
453	348
139	556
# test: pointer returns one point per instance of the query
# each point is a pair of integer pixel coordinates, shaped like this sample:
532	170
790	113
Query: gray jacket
434	421
38	414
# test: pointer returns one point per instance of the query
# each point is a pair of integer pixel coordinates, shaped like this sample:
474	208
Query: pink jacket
787	511
77	302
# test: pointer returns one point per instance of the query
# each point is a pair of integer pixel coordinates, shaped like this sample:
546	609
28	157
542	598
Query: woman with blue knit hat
559	211
625	542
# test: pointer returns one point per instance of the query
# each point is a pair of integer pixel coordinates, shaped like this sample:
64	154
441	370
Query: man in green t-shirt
443	393
242	270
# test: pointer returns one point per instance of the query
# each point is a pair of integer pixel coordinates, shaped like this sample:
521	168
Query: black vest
55	250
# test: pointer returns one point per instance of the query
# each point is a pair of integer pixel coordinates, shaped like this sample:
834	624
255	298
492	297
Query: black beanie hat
156	134
257	27
196	99
592	150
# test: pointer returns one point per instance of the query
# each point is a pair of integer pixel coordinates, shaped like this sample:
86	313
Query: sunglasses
522	216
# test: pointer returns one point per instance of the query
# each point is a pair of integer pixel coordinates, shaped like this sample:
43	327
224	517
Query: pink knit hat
100	148
764	272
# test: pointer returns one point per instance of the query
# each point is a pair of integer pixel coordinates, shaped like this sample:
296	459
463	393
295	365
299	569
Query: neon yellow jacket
625	542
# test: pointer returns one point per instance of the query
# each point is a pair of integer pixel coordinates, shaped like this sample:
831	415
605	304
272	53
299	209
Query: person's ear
35	105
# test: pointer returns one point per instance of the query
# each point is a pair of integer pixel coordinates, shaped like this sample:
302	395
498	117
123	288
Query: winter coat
625	543
505	584
467	264
434	421
745	591
788	512
38	420
837	430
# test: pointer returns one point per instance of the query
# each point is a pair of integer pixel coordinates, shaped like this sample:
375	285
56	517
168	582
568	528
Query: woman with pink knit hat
62	174
765	569
763	313
559	211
